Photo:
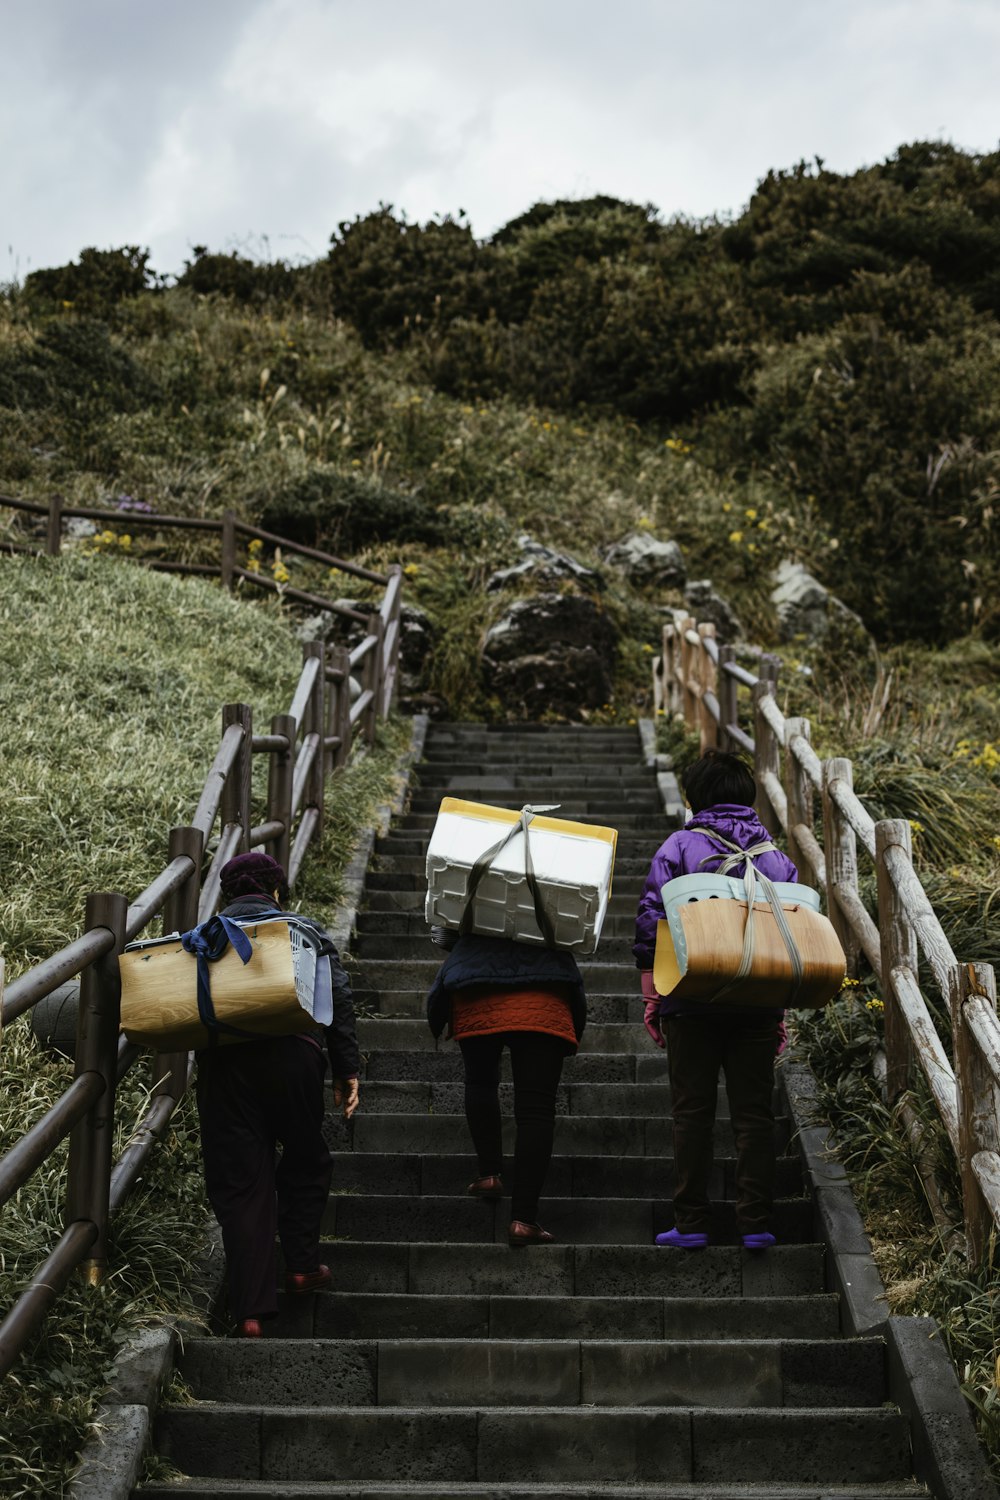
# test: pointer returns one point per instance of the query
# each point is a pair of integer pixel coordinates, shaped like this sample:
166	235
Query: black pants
251	1097
743	1049
536	1061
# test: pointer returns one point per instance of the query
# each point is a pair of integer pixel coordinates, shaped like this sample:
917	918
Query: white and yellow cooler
572	862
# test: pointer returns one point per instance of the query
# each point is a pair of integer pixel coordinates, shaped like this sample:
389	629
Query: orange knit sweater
480	1011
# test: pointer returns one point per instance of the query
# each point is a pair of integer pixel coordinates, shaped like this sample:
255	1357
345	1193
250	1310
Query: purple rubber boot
678	1241
761	1241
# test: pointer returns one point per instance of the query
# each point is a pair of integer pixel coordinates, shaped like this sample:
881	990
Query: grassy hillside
110	703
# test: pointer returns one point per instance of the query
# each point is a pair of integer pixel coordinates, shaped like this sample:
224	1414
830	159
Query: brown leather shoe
308	1281
490	1189
520	1234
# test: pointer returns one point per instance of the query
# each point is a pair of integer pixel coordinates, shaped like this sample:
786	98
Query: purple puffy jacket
682	854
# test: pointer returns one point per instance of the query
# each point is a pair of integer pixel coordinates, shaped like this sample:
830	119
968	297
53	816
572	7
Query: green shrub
95	284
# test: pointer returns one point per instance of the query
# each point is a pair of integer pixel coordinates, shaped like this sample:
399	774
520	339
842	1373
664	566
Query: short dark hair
716	777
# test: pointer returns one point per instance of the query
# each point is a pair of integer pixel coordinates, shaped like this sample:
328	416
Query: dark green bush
75	368
96	284
340	513
237	277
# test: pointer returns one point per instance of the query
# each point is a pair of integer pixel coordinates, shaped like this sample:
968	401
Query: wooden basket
160	995
699	959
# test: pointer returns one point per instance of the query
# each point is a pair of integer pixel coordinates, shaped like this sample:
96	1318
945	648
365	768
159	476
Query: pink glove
782	1038
651	1015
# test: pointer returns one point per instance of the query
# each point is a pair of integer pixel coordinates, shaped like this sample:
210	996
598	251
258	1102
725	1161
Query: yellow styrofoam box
573	864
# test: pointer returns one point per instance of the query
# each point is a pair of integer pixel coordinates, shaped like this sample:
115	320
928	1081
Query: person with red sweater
702	1038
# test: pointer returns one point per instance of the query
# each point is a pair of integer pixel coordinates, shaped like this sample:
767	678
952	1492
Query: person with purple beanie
703	1038
252	1096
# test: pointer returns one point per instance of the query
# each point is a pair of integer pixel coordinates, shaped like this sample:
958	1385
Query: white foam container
573	864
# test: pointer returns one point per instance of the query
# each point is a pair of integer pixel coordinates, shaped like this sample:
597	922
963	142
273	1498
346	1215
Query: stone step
588	1135
585	1067
405	1315
636	813
375	924
635	1101
442	1269
458	1373
460	1220
449	1174
819	1446
629	875
633	846
290	1489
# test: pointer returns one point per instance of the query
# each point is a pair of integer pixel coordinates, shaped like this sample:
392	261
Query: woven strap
484	861
753	877
208	942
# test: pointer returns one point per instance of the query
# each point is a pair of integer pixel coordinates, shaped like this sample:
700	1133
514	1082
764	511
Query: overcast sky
259	124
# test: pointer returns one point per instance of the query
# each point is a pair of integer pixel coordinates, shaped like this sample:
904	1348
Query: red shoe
249	1329
490	1189
520	1234
308	1281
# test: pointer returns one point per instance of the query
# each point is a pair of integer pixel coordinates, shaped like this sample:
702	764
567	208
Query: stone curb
112	1457
666	781
947	1455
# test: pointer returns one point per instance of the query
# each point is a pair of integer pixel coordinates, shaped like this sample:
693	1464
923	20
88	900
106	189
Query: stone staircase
444	1363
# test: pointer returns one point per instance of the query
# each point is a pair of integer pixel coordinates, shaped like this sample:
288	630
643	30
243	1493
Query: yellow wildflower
750	513
915	825
727	505
411	570
736	537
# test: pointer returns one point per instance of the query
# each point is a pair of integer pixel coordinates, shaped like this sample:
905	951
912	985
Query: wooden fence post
798	792
235	804
92	1137
340	661
899	951
978	1102
314	722
168	1070
840	847
228	563
767	755
728	703
280	775
707	683
53	531
688	675
372	678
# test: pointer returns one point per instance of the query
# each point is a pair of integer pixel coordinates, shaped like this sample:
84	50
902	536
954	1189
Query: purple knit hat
253	875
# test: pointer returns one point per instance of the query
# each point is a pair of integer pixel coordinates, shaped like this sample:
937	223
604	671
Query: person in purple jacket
703	1038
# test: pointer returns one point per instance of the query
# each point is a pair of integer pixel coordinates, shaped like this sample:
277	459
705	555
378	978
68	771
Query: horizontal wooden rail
244	528
38	1143
361	704
211	798
929	932
300	596
48	975
362	649
304	690
303	766
46	1284
150	902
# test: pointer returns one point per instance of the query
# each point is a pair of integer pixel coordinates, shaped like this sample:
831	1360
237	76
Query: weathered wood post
798	794
235	803
978	1101
280	776
91	1139
228	563
372	678
314	722
688	674
53	530
767	755
180	913
840	848
340	661
707	683
899	951
728	703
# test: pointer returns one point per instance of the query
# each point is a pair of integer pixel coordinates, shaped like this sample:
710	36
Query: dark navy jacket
341	1037
509	966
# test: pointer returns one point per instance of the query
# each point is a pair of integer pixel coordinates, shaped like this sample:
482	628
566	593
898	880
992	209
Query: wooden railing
304	747
698	678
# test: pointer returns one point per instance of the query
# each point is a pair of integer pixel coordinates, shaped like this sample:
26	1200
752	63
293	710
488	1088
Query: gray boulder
810	614
544	565
552	653
647	561
709	608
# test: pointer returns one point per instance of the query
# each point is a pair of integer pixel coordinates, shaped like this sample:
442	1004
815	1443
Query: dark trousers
251	1097
742	1048
536	1062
